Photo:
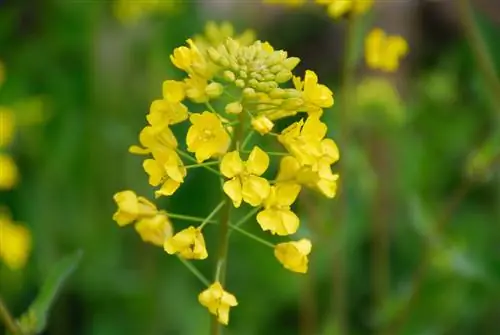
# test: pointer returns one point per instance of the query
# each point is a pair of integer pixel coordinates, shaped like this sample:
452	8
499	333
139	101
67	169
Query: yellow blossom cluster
236	88
383	52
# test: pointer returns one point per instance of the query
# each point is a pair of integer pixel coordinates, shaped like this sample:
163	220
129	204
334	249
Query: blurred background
410	246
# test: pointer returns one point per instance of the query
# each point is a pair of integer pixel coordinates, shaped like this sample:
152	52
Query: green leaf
35	319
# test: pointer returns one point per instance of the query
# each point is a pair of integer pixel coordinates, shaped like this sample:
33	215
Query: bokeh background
410	246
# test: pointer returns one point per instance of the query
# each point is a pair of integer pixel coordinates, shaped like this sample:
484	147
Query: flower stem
201	164
194	271
212	214
8	320
192	159
252	236
188	218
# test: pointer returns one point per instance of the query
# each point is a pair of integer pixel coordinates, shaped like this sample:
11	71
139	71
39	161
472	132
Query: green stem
210	107
192	159
8	320
246	217
194	271
252	236
246	140
212	214
188	218
201	164
270	153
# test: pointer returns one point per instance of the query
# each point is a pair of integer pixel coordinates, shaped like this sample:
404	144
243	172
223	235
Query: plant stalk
8	320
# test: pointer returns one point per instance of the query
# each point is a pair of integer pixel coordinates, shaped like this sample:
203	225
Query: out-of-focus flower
9	174
15	243
130	11
293	255
292	3
339	8
383	52
218	302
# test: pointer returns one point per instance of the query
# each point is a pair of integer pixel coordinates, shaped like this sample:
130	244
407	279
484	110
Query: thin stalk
253	237
188	218
192	159
339	282
221	266
194	271
8	320
201	165
244	219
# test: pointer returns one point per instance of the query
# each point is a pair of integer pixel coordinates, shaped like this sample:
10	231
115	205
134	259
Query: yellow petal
289	167
257	162
255	190
155	171
174	91
233	190
155	230
286	193
231	164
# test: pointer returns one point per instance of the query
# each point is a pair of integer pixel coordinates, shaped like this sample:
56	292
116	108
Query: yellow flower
165	168
321	180
191	60
218	301
196	88
131	207
207	137
383	52
130	11
156	230
188	243
168	110
154	138
303	139
339	8
15	243
9	174
292	3
216	34
277	216
293	255
7	126
262	124
245	183
316	96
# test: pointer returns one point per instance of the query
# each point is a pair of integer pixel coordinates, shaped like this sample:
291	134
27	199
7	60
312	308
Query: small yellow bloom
7	126
191	60
165	168
262	124
277	216
384	52
292	3
188	243
130	11
196	88
154	138
316	96
245	182
207	137
218	302
131	207
15	243
303	139
293	255
339	8
169	110
9	174
156	230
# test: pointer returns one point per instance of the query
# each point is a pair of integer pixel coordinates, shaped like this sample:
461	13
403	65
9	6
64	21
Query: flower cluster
335	8
240	88
129	11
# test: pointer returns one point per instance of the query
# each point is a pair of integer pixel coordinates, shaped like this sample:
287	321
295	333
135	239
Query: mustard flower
7	126
156	230
188	243
15	243
291	3
9	175
154	138
216	34
245	182
339	8
303	139
383	52
207	137
130	11
316	96
218	302
277	216
169	110
131	208
165	169
262	124
293	255
191	60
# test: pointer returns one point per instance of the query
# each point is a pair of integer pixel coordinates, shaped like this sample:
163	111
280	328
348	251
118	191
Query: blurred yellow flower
156	230
166	168
7	126
293	255
277	216
293	3
9	174
131	208
383	52
245	182
218	302
216	34
188	243
339	8
207	137
129	11
15	243
303	139
316	96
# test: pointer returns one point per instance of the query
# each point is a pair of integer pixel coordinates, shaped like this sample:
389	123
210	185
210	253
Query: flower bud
262	124
214	90
234	108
